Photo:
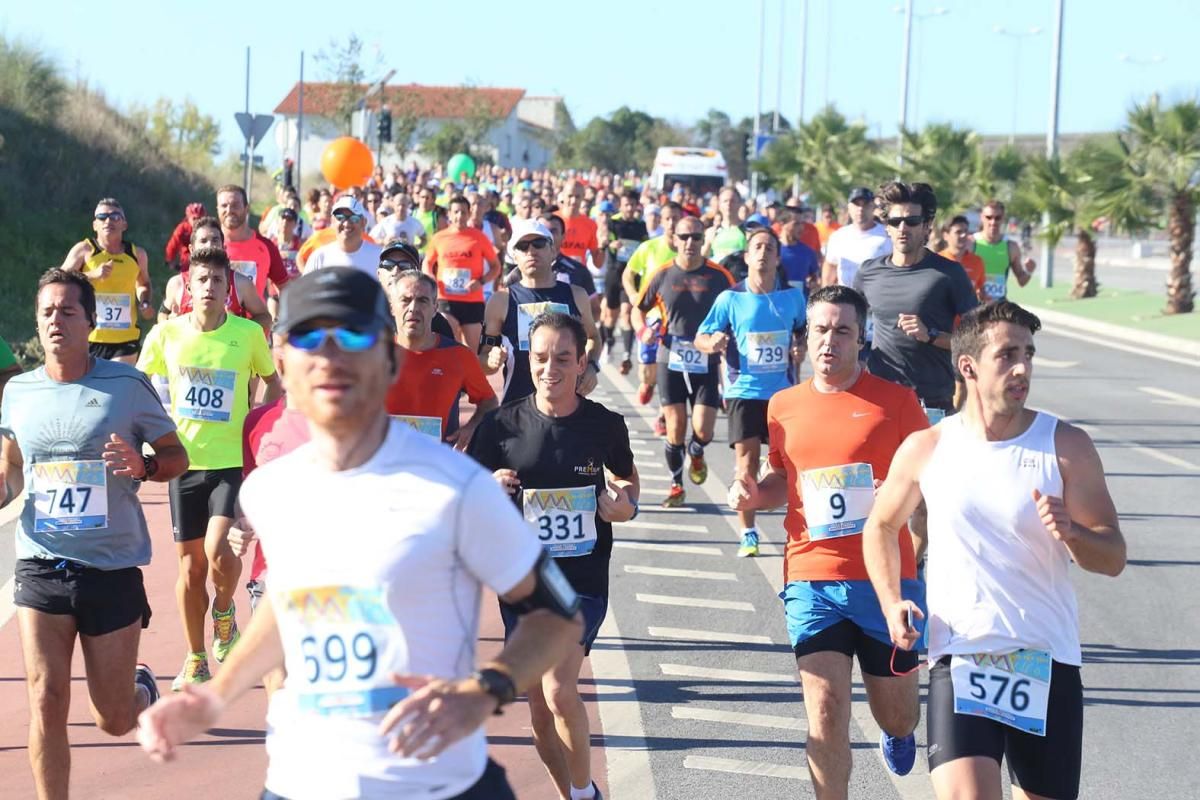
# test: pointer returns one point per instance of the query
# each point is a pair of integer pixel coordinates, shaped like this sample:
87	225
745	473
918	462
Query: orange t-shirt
812	430
456	258
972	264
429	382
823	230
579	238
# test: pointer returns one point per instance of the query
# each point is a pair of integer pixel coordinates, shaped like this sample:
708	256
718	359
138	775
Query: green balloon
458	164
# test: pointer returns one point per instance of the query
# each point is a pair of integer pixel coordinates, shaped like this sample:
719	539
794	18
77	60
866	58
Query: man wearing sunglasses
510	311
915	296
350	248
250	253
209	357
684	292
379	664
1000	255
850	245
120	273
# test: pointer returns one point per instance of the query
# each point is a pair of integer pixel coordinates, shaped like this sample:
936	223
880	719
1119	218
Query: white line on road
739	718
1050	363
763	768
738	675
1136	350
661	526
1170	398
688	549
1095	432
7	607
641	451
626	752
692	635
668	572
694	602
644	477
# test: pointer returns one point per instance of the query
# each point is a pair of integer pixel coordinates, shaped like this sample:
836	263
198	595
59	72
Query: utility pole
300	129
1052	132
779	75
249	151
904	59
762	41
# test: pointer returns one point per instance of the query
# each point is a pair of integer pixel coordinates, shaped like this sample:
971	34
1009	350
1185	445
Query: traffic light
748	148
385	125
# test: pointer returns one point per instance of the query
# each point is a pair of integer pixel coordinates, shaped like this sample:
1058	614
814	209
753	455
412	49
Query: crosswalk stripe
661	526
691	635
739	718
761	768
738	675
694	602
687	549
668	572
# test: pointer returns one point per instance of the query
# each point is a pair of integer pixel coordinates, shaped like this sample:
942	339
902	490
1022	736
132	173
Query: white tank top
997	580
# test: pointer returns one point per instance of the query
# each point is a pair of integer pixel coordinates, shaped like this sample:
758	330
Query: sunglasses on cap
348	340
913	221
534	244
104	216
346	216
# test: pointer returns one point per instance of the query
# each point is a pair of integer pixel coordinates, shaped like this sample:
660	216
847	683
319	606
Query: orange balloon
347	162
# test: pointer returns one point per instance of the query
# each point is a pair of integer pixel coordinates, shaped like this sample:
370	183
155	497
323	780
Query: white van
698	168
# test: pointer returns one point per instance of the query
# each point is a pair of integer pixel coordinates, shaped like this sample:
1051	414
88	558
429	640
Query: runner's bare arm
145	291
171	456
918	529
462	437
627	279
1022	271
274	388
493	321
252	301
627	490
76	257
829	273
1085	518
12	470
493	270
712	343
170	303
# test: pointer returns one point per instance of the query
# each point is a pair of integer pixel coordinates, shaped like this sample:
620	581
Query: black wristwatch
933	334
150	464
498	684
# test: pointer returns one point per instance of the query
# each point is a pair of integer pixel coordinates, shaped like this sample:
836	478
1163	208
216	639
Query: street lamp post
1017	37
1052	134
913	38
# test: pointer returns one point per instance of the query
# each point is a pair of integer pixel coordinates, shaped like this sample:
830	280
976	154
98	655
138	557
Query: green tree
1152	174
829	154
181	131
29	81
953	162
342	65
627	139
447	140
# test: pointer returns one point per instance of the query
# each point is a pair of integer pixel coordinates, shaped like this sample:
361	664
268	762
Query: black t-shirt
560	453
684	298
631	230
935	289
523	305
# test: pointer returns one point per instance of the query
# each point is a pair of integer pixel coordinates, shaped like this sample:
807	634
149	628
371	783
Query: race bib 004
430	426
205	394
996	286
686	358
526	312
767	352
341	645
69	496
114	312
1013	689
837	500
454	280
565	519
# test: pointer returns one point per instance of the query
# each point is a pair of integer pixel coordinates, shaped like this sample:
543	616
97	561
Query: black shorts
747	420
100	600
593	607
874	657
492	786
465	313
614	290
199	494
1046	765
673	386
108	351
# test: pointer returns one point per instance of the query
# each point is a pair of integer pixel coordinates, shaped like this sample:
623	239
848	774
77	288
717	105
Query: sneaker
225	632
674	498
898	753
698	470
195	671
627	367
749	545
660	426
645	394
144	676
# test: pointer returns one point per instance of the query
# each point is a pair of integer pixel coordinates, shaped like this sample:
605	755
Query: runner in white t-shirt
377	565
349	249
398	225
850	245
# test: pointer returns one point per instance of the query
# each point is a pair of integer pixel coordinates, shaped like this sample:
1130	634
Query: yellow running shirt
209	374
116	295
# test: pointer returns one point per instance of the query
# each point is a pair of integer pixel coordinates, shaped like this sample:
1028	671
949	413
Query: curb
1120	333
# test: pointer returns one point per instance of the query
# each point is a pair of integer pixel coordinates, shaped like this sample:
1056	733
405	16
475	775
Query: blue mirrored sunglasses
348	340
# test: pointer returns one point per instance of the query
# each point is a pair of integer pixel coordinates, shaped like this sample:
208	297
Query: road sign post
254	127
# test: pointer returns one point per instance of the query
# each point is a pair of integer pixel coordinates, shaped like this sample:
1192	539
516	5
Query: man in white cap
350	248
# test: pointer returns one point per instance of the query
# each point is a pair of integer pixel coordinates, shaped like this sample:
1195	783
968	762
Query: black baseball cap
861	193
353	298
288	213
398	248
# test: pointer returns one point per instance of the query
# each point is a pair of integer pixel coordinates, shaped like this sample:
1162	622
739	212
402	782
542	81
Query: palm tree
1157	176
953	162
830	155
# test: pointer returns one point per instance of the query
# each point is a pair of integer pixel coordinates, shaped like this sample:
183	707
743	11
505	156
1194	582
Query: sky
671	59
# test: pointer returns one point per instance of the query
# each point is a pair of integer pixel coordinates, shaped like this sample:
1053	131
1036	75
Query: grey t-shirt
937	290
74	507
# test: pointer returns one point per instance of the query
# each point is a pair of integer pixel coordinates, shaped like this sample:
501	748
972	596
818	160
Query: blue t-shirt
758	361
74	507
798	262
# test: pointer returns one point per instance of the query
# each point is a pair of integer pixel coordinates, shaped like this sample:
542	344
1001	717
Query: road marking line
1095	432
661	526
1170	398
692	635
641	451
694	602
668	572
626	752
1105	342
1050	363
690	549
739	718
738	675
644	477
7	608
762	768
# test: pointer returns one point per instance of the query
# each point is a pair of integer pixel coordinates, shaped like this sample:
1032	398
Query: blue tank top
523	305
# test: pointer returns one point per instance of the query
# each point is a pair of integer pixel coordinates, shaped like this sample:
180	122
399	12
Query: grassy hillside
61	149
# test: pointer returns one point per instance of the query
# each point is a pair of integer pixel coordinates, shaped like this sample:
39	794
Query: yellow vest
116	295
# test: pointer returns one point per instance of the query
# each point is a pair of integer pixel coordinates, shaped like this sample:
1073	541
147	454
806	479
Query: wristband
150	465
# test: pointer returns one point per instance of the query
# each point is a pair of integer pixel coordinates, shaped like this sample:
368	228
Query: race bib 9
768	352
114	311
454	280
1013	689
565	519
69	496
526	312
341	645
686	358
837	500
205	394
430	426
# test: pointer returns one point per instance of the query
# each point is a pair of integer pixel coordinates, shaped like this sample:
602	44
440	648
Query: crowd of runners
305	378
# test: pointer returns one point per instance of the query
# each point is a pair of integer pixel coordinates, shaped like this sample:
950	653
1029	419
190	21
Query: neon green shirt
649	256
7	359
209	375
427	220
729	239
